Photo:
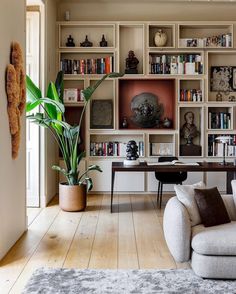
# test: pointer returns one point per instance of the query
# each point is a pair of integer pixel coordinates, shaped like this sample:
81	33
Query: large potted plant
72	193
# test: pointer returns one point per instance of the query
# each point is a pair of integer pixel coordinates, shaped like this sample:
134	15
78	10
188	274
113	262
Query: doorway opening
34	136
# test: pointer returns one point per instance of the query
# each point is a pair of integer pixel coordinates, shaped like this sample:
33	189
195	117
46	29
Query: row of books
216	148
112	149
219	120
73	95
87	66
189	64
224	40
192	95
161	149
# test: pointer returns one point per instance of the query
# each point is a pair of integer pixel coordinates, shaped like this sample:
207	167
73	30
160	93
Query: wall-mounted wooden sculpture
16	95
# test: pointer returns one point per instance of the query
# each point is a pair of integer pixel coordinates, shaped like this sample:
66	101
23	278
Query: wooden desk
202	167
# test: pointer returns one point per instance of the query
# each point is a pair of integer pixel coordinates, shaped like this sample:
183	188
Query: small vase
160	38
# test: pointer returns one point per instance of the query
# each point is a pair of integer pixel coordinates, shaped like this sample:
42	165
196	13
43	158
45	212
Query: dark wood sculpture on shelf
86	43
131	63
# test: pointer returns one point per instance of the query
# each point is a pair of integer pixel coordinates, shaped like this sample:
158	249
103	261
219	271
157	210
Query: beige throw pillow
185	194
233	184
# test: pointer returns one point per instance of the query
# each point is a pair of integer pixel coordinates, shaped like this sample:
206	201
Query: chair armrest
177	230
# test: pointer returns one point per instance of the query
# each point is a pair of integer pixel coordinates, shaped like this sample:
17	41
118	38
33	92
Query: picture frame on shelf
71	95
101	114
234	78
222	78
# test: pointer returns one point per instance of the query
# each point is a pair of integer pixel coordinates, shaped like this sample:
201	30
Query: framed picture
70	95
234	78
221	78
101	114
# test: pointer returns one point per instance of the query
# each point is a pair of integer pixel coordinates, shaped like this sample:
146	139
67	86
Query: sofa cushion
185	194
217	240
233	184
211	207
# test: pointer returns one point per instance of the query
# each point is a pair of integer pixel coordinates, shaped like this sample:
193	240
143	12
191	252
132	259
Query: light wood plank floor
130	238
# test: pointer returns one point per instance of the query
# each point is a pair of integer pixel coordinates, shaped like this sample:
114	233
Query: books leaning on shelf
173	162
112	149
161	149
190	95
189	64
215	148
219	41
87	66
219	120
73	95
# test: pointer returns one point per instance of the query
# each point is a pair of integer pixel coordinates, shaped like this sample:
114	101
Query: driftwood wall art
16	95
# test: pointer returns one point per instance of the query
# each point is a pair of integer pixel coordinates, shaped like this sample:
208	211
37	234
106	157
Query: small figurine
70	42
124	123
103	43
132	150
131	153
219	96
166	122
189	130
131	63
86	43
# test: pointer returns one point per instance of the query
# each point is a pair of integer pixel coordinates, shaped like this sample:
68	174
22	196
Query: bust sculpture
189	130
131	63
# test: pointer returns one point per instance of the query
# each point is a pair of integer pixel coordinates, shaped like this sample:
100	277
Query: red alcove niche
164	89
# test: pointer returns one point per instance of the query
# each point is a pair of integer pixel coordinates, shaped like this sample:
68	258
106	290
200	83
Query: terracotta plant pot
72	198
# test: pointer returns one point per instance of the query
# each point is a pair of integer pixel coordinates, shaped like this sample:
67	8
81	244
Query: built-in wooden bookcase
192	51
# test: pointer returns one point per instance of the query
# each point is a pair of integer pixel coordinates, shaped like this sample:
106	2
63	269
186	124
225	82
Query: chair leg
160	201
158	192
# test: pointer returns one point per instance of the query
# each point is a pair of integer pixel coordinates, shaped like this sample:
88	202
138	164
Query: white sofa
212	250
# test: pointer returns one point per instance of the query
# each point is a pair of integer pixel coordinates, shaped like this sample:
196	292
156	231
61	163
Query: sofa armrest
177	230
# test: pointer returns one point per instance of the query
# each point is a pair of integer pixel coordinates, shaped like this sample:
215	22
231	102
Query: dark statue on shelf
70	42
146	109
86	43
189	130
131	153
131	63
103	43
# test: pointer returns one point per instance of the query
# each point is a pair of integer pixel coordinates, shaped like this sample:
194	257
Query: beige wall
146	10
51	157
12	172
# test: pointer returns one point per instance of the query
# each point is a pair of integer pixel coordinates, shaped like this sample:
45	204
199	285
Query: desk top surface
203	166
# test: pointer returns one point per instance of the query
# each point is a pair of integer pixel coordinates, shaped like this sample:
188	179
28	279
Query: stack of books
112	149
219	120
87	66
189	64
215	148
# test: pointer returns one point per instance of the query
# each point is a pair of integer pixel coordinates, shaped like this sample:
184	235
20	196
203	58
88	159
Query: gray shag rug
58	281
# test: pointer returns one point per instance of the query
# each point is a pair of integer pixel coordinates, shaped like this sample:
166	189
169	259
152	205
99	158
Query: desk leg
112	187
230	176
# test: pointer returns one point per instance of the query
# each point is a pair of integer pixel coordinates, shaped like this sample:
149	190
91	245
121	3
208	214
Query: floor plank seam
72	239
95	231
134	230
28	259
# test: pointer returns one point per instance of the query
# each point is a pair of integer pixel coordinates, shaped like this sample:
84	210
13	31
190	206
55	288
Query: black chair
168	178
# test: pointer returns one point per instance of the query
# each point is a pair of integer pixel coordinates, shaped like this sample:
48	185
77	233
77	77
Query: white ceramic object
160	38
131	162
